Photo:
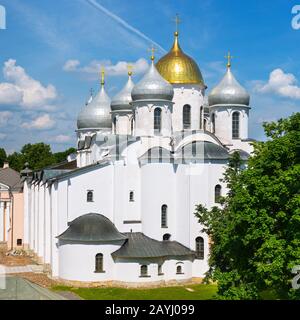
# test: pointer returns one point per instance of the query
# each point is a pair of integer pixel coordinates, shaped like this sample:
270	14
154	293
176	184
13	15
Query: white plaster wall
77	261
98	179
157	189
144	118
123	124
126	179
192	95
223	122
129	271
55	230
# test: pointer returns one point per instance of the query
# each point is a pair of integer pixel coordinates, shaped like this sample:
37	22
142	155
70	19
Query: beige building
11	208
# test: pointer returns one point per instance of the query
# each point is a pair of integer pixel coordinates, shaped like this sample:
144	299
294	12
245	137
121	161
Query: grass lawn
189	292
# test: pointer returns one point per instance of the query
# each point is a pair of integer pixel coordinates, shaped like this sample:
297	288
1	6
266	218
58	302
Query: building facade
122	209
11	209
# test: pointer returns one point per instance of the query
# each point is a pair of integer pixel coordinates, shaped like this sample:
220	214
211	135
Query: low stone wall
121	284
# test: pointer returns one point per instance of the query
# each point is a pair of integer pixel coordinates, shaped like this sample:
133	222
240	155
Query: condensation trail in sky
123	23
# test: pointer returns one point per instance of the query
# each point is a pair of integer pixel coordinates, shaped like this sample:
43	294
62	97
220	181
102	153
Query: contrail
123	23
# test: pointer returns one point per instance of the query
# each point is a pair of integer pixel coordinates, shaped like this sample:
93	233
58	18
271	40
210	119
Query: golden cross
229	57
177	21
129	68
152	50
102	76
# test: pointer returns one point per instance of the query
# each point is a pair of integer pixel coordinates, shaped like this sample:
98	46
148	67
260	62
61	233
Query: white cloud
23	90
4	117
10	94
71	65
61	139
43	122
94	67
280	83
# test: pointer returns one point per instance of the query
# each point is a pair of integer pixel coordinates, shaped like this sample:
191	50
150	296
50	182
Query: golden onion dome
178	68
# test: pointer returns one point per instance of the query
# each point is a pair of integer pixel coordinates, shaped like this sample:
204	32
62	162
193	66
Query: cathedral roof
178	68
138	246
96	114
152	86
229	92
202	150
122	100
91	227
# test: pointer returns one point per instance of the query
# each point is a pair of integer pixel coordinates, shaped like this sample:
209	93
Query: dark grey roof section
81	144
201	150
157	155
243	154
11	178
139	246
87	142
179	136
92	227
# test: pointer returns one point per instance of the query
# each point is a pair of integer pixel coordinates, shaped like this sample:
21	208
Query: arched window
166	237
179	270
157	119
164	216
132	125
201	118
99	263
186	116
144	271
213	123
115	125
131	196
200	248
159	270
235	125
218	190
90	196
204	124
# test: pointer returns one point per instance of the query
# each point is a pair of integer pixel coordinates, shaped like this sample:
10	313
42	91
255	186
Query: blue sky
51	51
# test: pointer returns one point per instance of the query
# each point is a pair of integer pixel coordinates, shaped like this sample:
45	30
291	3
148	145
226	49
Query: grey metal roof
157	155
152	86
92	227
97	113
201	150
243	154
122	100
11	178
140	246
229	92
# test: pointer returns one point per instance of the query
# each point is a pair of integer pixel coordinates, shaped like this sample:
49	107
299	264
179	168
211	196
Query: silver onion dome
121	101
152	86
229	92
96	114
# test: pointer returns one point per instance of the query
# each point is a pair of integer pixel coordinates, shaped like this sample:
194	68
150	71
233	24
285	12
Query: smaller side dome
152	86
96	114
121	101
92	227
229	92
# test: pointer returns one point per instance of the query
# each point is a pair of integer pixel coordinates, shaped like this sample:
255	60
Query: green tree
38	156
3	157
256	232
62	156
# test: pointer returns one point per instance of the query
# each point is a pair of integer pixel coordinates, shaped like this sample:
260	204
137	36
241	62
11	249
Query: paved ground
23	269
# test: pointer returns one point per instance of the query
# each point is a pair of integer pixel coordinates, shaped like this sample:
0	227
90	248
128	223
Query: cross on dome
229	57
152	50
177	22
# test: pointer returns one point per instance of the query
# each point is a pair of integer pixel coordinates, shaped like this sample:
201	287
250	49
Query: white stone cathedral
122	209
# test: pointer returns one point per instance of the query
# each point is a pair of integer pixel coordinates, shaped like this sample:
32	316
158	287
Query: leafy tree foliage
3	157
38	156
256	232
